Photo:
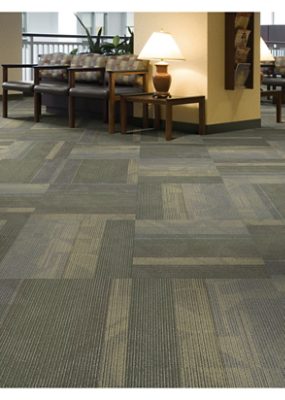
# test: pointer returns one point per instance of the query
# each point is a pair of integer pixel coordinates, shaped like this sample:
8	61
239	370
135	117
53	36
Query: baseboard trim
234	126
215	128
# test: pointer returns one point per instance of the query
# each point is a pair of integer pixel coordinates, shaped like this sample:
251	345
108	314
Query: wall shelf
239	50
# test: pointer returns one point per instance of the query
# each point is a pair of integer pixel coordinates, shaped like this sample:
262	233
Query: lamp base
161	80
159	95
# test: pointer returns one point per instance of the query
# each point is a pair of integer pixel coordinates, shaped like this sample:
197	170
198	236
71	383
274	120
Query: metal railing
36	44
277	48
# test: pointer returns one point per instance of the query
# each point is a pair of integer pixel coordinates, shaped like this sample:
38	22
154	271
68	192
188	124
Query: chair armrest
85	69
18	65
112	76
52	66
5	68
38	68
127	71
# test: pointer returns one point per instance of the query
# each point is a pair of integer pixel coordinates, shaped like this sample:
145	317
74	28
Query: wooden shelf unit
234	69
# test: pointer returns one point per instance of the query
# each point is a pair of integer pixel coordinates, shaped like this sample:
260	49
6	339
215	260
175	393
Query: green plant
117	46
94	46
73	52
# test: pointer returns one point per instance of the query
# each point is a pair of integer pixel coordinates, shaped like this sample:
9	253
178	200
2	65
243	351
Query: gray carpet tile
245	320
276	193
151	228
209	202
43	348
236	153
115	344
199	354
8	291
173	151
106	199
12	223
115	258
127	261
152	329
49	171
102	171
104	152
68	171
232	250
149	201
198	271
236	141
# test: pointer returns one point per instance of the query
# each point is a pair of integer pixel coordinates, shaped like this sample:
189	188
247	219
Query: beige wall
10	42
200	37
229	105
189	77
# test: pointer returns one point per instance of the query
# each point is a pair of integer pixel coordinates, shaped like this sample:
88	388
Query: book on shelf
241	38
241	74
241	54
242	20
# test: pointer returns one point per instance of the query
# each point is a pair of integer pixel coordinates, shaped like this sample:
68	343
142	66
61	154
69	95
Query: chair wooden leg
5	103
37	106
111	119
71	112
105	111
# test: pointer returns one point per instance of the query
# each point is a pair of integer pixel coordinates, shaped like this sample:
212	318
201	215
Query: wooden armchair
54	87
110	92
25	87
85	90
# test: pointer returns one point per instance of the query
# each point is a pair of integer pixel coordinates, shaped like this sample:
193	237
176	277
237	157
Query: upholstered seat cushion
100	92
58	88
25	87
274	81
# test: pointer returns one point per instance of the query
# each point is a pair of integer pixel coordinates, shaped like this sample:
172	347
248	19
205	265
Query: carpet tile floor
130	262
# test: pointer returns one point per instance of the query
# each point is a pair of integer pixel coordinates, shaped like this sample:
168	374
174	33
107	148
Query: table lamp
162	46
266	56
267	61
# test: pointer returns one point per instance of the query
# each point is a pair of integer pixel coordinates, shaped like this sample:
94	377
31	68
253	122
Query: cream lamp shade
161	46
265	54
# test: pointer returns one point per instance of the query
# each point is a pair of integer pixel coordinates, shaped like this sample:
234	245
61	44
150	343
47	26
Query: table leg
123	115
283	94
202	117
156	116
168	122
145	115
278	106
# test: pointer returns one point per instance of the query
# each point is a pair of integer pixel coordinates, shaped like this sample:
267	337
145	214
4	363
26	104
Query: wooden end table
169	102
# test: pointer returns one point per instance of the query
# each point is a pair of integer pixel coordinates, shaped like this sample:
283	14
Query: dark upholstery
101	92
57	88
19	86
274	81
